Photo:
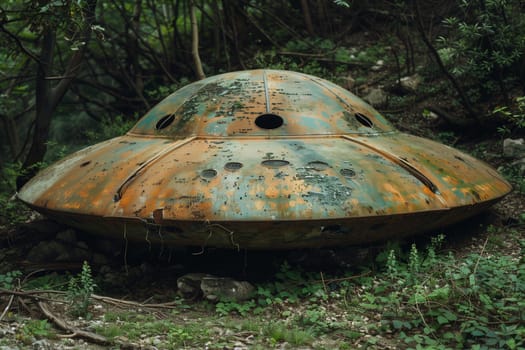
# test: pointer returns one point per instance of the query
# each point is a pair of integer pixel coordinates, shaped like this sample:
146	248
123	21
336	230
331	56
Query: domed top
261	103
263	159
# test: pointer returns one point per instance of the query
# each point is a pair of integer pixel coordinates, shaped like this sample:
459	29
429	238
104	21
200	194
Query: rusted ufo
263	159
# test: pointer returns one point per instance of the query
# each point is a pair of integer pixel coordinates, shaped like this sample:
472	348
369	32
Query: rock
46	251
521	165
213	288
99	259
82	245
376	97
43	226
410	83
217	288
74	254
42	344
430	115
514	148
67	236
378	66
348	82
189	285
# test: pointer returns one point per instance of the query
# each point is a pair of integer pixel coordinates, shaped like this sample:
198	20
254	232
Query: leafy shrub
79	291
434	300
485	45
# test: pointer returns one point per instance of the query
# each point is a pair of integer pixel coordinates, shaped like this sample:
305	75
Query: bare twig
75	332
7	307
480	255
128	303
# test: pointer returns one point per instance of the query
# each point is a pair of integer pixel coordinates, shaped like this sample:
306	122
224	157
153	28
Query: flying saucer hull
305	167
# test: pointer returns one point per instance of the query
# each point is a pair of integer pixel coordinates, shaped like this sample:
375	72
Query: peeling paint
264	159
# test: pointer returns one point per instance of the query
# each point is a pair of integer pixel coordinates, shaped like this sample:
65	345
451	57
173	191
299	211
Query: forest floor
457	287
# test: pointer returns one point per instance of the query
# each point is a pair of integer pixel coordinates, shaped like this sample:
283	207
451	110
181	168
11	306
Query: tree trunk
195	42
465	101
47	96
307	17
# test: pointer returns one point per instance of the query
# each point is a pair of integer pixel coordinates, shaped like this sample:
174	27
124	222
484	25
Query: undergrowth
424	297
419	296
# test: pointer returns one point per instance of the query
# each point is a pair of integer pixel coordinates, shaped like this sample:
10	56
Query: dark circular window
232	166
274	163
165	121
208	173
364	120
347	172
269	121
318	165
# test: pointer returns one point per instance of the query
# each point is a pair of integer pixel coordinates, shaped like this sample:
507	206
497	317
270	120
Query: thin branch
76	332
195	42
435	54
19	44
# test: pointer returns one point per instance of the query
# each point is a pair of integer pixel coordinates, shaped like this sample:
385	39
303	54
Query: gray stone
348	82
189	285
41	344
378	66
217	288
514	148
99	259
47	251
74	254
213	288
376	97
43	226
67	236
410	83
521	165
82	245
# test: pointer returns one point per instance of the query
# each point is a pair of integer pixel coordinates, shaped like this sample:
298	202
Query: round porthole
208	173
165	121
364	120
347	172
232	166
269	121
318	165
274	163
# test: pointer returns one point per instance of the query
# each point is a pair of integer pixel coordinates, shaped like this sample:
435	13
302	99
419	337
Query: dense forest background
72	72
76	72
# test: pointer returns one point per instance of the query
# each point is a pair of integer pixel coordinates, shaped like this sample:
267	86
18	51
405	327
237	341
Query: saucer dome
264	159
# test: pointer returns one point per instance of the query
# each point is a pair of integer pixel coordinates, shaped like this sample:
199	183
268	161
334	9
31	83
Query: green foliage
12	211
109	128
289	286
163	331
32	329
476	301
79	292
342	3
279	332
515	116
514	175
7	280
52	281
485	45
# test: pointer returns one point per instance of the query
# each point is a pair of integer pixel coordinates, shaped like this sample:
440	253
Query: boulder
514	148
213	288
376	97
410	83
